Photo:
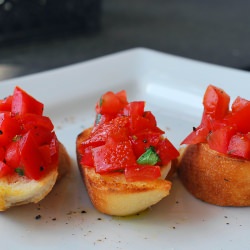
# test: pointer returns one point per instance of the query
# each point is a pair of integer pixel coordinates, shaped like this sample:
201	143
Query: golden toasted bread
18	190
112	194
213	177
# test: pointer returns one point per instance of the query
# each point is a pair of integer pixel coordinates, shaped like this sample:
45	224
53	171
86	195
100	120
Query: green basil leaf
97	119
150	157
100	101
19	171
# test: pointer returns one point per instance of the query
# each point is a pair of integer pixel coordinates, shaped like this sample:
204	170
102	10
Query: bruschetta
123	158
214	165
31	157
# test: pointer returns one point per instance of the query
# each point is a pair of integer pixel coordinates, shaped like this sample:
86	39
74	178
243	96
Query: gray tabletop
212	31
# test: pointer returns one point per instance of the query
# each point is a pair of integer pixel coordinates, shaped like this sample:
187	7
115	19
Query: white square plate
173	88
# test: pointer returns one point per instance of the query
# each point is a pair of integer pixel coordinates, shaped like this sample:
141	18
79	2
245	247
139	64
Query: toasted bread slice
19	190
213	177
112	194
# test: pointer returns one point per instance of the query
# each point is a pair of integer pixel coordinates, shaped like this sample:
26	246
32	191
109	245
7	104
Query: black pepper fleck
38	217
99	219
54	219
83	212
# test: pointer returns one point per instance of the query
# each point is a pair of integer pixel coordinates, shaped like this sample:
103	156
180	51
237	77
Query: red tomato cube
5	104
216	102
12	155
87	157
240	119
133	108
110	103
5	169
239	146
238	104
23	103
31	159
166	151
142	173
219	139
113	156
9	127
141	141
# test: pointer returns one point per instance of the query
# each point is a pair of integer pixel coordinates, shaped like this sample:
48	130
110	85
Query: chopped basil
134	137
100	102
98	118
16	138
150	157
19	171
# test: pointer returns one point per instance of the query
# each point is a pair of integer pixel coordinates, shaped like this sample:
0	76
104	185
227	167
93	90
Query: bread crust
213	177
112	194
18	190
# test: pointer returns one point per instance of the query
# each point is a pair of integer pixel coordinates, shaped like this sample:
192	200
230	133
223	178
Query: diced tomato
122	134
166	151
113	156
2	153
133	108
220	138
142	172
12	156
122	95
27	144
101	119
219	124
23	103
9	127
54	151
5	169
239	146
54	145
216	102
87	157
138	123
117	127
31	121
46	155
41	135
30	158
148	115
226	131
240	119
198	135
143	140
110	103
238	104
5	104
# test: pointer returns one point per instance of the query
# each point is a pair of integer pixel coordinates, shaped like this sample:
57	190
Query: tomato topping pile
226	131
125	139
28	144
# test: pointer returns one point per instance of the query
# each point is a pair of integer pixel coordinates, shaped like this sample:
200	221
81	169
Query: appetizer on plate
124	158
215	164
30	153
